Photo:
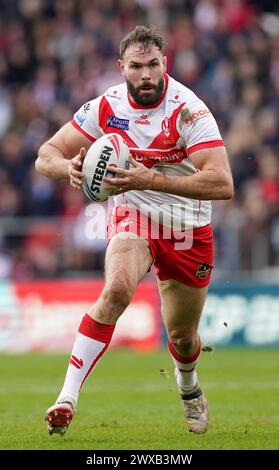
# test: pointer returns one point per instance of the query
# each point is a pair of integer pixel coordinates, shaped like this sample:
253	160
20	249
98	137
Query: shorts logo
113	121
203	270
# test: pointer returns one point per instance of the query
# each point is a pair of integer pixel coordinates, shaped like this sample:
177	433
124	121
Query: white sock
91	342
185	372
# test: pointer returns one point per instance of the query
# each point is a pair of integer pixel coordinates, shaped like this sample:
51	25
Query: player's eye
135	66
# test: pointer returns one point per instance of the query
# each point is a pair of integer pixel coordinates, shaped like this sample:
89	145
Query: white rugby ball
110	149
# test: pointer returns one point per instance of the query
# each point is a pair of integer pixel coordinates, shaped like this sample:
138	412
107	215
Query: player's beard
146	98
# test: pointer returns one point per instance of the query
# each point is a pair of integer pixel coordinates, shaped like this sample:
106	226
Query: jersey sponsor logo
79	118
113	121
198	114
143	121
78	363
166	126
171	156
203	270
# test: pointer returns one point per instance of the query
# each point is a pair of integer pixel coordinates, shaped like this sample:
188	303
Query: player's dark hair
144	35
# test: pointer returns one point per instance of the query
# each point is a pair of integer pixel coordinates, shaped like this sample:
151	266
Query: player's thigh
126	262
127	259
181	305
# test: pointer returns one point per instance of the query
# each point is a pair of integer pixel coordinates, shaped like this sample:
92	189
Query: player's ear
120	66
165	63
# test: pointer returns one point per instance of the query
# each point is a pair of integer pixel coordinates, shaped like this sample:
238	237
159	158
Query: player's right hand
74	169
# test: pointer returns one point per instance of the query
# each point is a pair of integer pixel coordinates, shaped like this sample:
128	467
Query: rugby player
178	160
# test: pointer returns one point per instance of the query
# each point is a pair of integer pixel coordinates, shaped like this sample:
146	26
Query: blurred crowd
56	55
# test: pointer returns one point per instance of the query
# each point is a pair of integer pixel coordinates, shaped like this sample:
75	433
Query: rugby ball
110	149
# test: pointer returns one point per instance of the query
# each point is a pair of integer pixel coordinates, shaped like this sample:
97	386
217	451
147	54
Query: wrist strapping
158	182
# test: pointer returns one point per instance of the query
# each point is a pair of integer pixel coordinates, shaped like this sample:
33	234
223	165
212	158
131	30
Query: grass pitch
131	402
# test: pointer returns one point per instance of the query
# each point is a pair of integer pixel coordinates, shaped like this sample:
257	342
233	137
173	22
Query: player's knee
183	341
118	294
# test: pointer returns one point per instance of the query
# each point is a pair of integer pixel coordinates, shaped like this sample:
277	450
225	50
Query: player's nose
145	74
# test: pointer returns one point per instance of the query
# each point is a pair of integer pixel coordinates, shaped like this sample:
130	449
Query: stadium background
56	55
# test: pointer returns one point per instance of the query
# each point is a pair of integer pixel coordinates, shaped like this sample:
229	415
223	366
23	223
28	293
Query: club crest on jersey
166	126
113	121
203	270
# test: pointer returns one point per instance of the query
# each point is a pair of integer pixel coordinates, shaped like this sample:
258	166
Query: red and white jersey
162	137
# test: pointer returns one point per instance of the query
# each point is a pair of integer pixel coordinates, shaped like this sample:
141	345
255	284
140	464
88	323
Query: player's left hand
138	177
